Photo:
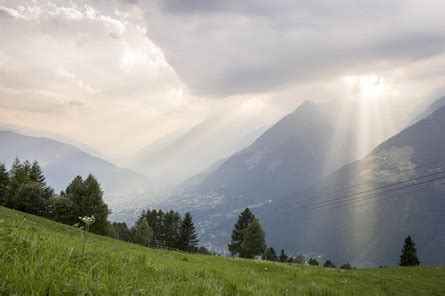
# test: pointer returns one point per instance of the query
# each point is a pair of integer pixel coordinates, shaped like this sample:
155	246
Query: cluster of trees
248	241
24	188
156	228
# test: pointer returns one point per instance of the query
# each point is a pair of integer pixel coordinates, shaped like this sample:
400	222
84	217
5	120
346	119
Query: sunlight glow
367	86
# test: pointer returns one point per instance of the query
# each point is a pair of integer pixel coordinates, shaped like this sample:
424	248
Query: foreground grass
38	256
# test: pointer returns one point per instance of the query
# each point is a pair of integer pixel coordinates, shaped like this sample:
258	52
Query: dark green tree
31	198
143	233
65	210
254	242
313	261
155	219
409	253
4	181
170	224
188	239
346	266
283	256
244	219
18	176
270	254
36	173
68	207
93	204
328	264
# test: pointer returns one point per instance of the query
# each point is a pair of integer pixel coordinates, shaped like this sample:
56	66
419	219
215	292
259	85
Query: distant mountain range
300	161
62	162
179	156
345	217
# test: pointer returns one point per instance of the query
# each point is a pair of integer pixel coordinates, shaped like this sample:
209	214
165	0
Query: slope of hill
369	236
293	154
364	210
44	257
62	162
437	104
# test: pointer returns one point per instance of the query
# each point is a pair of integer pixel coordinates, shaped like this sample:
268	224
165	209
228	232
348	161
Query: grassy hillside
38	256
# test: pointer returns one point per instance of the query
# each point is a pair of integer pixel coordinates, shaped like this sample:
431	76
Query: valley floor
39	257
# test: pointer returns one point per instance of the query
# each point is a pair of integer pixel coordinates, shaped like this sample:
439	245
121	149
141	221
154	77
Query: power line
375	179
383	187
340	203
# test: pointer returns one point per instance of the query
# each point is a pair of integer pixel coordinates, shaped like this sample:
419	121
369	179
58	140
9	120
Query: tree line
159	229
24	188
248	241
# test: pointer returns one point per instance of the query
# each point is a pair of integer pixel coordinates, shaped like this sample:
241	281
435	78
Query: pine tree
170	229
253	243
328	264
36	174
313	261
346	266
18	176
93	204
409	253
270	254
155	220
188	239
31	198
143	233
4	181
283	256
244	219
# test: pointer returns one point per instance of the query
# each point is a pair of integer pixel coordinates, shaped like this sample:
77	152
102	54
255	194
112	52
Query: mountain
430	110
179	156
362	212
62	162
296	152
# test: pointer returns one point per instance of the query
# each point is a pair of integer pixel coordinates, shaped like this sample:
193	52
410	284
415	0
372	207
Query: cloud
230	47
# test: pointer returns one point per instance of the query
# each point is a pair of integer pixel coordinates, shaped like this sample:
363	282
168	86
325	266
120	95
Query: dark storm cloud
232	47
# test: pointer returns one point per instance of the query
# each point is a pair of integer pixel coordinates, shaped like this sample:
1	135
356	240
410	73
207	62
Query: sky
115	75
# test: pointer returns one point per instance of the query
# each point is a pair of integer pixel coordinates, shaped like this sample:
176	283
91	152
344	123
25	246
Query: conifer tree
409	253
328	264
313	261
4	181
170	229
188	239
143	233
244	219
346	266
283	256
254	242
18	176
93	204
31	198
36	174
270	254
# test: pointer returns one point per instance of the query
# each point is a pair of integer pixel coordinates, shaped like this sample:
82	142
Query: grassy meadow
41	257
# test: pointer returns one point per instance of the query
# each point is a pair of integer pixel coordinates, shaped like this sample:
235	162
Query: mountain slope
173	159
43	257
62	162
356	214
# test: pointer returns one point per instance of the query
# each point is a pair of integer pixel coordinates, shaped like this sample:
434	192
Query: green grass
39	256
